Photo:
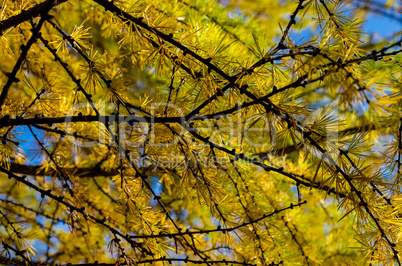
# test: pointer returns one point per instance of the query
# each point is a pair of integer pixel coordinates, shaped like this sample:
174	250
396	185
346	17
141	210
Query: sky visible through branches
159	132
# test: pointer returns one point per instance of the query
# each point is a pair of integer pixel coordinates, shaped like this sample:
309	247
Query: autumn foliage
199	132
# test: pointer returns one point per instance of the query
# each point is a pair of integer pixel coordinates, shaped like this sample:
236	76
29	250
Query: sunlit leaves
193	131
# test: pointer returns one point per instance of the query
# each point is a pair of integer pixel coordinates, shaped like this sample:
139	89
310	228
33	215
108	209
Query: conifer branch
12	77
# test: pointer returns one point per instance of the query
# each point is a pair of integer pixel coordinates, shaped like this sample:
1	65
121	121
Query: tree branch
25	15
